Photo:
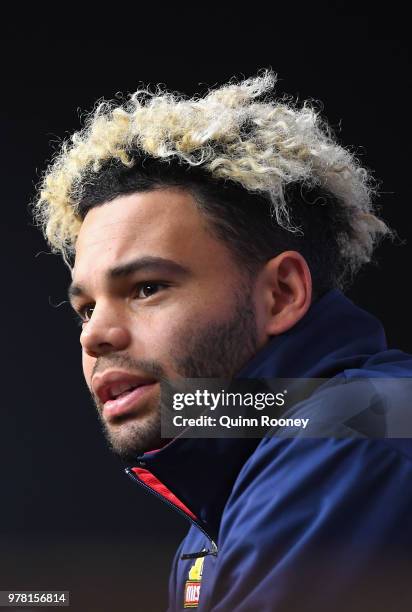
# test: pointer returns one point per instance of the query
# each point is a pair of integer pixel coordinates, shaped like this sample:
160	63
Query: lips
128	403
121	392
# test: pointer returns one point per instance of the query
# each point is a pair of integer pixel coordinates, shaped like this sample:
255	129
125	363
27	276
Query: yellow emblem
197	569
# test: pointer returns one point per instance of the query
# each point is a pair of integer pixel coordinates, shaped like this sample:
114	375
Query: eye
84	314
146	289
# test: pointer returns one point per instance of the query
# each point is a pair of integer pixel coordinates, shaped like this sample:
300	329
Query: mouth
128	401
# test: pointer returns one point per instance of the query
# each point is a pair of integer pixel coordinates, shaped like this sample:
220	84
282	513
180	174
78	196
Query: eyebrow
146	264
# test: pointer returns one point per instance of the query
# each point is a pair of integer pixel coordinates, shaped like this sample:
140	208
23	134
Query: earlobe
288	291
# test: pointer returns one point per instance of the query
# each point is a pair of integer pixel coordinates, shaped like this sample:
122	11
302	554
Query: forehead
163	223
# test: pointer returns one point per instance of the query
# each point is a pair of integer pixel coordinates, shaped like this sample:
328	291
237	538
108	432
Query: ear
284	295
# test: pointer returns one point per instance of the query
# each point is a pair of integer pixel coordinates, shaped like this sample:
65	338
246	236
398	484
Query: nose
105	332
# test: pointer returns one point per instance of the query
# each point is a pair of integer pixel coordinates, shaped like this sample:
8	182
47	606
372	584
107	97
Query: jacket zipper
213	551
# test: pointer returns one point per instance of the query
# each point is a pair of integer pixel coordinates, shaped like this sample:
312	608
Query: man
213	238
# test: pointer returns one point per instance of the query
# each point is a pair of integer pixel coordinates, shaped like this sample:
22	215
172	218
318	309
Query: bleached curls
237	132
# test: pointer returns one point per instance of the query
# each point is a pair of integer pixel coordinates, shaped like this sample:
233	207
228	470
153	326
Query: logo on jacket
192	585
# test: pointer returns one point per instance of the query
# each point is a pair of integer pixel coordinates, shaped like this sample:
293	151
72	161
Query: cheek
157	337
87	364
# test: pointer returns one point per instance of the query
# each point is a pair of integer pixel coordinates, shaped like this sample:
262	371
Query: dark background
70	519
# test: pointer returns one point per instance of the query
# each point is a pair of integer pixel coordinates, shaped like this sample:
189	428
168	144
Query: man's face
163	299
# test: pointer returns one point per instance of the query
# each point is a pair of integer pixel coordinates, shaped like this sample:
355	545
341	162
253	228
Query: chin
130	440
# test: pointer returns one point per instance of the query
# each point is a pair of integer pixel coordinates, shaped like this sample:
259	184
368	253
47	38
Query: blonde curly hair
238	133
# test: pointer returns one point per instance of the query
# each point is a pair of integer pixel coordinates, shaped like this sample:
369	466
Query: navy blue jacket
298	523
